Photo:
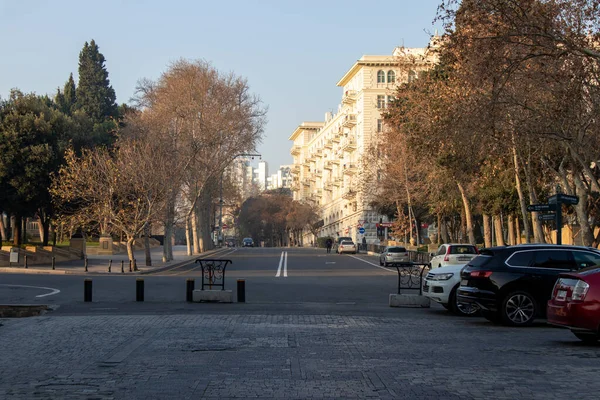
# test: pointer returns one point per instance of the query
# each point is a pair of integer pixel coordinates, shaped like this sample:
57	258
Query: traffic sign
541	207
563	198
546	217
361	230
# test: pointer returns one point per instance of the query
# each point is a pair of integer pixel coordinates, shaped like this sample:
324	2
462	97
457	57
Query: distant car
339	240
512	284
248	242
441	285
574	303
347	246
393	255
453	254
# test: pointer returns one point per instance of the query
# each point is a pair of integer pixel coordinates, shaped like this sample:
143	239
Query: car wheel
518	309
493	317
385	264
587	337
462	309
380	262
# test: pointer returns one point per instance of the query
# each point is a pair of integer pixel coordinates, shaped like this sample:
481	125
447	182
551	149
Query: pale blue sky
291	52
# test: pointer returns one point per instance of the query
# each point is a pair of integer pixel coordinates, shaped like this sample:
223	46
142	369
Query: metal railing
213	271
410	275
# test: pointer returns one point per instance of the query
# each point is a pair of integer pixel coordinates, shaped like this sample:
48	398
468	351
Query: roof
308	125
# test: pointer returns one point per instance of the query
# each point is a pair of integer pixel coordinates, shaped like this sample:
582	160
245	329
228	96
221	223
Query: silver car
393	255
347	246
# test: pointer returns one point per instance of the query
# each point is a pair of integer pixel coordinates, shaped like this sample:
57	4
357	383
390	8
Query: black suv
512	284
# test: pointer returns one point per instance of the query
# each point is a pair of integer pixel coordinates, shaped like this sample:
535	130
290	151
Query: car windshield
396	250
463	250
344	239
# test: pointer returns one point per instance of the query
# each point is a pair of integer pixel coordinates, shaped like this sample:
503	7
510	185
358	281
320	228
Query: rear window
484	257
463	250
347	242
344	239
396	250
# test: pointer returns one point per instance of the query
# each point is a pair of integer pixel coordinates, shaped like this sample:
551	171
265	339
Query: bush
321	241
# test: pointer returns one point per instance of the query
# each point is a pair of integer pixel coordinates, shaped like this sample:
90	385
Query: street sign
541	207
361	230
385	225
563	198
546	217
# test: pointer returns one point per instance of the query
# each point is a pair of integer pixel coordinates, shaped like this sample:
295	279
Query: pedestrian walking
328	244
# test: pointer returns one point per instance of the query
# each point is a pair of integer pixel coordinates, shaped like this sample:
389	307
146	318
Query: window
380	76
391	76
584	259
556	259
380	101
379	125
412	75
390	99
441	251
463	250
520	259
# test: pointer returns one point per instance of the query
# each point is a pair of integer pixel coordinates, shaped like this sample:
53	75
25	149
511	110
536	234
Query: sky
291	52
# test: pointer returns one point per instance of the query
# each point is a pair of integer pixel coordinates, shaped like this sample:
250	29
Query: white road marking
330	262
285	266
280	264
375	265
53	291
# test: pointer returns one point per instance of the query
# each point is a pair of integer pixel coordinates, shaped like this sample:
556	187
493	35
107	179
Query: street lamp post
220	234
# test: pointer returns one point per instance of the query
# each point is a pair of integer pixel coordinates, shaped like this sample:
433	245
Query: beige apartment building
329	164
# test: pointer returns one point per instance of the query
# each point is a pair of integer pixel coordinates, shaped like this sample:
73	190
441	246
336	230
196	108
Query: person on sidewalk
328	244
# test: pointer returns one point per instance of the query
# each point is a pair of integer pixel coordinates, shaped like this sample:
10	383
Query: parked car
453	254
441	286
248	242
512	284
393	255
339	240
347	246
574	303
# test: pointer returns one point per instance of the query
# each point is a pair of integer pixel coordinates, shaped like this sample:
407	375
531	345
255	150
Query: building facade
329	168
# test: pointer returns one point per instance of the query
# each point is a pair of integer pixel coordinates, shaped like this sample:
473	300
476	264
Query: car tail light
580	290
481	274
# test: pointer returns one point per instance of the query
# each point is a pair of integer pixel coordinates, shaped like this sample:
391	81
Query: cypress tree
95	95
70	98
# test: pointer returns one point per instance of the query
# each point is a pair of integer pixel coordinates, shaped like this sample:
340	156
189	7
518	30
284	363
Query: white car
441	285
347	247
453	254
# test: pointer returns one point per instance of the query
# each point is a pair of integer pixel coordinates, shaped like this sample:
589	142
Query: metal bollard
189	289
122	269
109	266
25	261
53	262
87	290
241	290
130	269
135	264
86	264
139	289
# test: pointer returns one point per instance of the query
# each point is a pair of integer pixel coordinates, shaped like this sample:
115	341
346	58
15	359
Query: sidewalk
98	264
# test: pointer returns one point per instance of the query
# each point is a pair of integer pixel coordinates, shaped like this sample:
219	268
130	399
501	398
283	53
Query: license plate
464	282
561	295
463	258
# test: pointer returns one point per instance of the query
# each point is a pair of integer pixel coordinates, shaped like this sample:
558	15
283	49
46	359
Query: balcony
329	145
349	144
296	169
319	193
328	165
318	173
295	188
296	150
328	186
350	168
306	183
335	161
349	194
349	97
336	139
349	121
339	181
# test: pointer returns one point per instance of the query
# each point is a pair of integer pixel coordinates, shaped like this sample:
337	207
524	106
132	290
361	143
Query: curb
22	310
21	270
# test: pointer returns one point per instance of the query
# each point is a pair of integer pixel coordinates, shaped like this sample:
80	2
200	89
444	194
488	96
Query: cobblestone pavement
418	354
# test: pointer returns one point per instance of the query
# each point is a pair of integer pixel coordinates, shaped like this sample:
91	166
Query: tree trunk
188	239
2	228
587	234
522	201
538	232
444	230
487	230
498	229
195	232
518	231
147	245
17	235
439	230
468	215
130	240
511	230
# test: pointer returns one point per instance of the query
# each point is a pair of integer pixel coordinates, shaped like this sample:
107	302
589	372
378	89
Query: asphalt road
284	279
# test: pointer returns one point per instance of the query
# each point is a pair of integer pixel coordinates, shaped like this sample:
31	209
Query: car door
439	257
548	263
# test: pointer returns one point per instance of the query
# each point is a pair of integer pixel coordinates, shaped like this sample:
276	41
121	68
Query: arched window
391	76
380	76
412	75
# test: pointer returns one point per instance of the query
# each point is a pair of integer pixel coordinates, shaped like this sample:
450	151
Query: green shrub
321	241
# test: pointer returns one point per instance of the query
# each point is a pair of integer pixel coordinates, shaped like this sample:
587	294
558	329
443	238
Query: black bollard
122	269
109	265
53	262
25	261
135	264
139	289
87	290
189	289
241	290
130	269
86	264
